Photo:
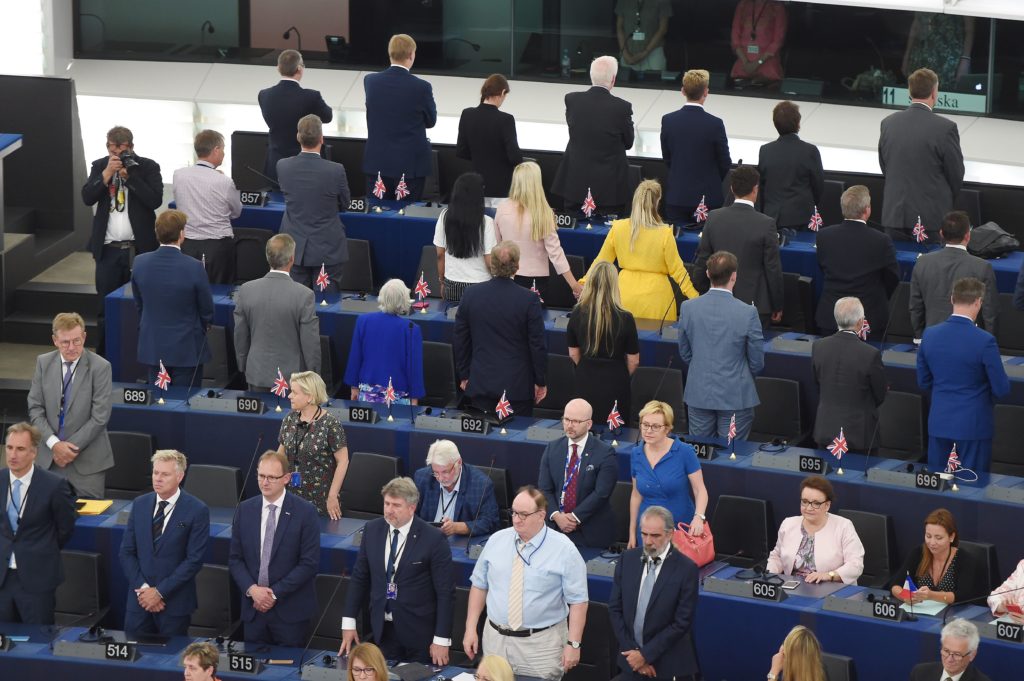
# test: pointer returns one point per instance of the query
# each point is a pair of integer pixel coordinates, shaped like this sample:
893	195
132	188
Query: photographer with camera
126	190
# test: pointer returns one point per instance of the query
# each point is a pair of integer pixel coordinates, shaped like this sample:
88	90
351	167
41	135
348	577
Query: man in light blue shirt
527	626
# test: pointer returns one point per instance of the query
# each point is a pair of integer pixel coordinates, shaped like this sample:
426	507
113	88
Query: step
13	400
47	298
37	328
19	219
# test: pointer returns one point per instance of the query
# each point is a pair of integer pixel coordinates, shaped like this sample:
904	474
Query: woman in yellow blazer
646	251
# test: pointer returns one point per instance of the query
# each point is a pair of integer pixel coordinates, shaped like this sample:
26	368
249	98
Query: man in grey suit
720	339
752	237
276	326
69	402
934	273
314	191
919	152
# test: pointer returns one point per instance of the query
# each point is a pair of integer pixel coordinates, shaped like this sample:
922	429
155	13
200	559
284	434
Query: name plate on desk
116	651
929	481
249	405
906	359
880	607
565	221
888	476
541	434
318	671
240	663
349	304
767	591
458	423
253	198
223	404
783	461
451	312
139	396
1009	631
704	450
1014	370
362	415
356	206
474	424
886	609
1006	489
798	345
562	321
602	567
670	332
744	589
810	463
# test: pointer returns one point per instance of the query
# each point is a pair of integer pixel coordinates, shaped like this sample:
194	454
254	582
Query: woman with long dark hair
939	570
464	237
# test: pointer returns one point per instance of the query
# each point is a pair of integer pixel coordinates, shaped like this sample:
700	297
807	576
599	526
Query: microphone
58	631
474	550
265	177
966	601
288	34
191	381
661	326
312	635
248	470
475	46
207	27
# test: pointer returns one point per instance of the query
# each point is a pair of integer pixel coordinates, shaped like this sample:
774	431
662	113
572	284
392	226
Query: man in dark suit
163	550
696	151
580	508
850	379
274	558
404	572
487	137
792	178
600	133
455	496
499	344
315	189
653	605
859	261
959	365
69	403
126	194
919	152
752	238
33	529
399	109
959	650
283	105
934	273
172	293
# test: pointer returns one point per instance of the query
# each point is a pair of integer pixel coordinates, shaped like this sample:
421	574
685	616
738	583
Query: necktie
65	395
263	579
14	505
158	521
644	600
515	592
392	555
569	502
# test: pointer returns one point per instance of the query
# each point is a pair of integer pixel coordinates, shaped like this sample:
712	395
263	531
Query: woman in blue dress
660	468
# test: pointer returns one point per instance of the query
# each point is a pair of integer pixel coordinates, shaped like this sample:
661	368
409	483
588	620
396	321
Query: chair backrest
901	426
658	383
330	597
969	201
798	303
559	295
900	330
84	589
428	268
876	534
778	414
217	372
1009	327
132	473
502	486
438	375
459	622
360	493
620	508
327	365
561	379
217	486
596	662
742	527
839	667
218	611
251	253
1007	453
634	176
986	569
357	274
831	211
432	184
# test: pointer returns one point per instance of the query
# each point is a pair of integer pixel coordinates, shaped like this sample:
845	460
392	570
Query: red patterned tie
569	503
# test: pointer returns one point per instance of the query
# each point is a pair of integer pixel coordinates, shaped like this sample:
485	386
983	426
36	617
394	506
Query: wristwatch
772	677
831	575
701	516
573	644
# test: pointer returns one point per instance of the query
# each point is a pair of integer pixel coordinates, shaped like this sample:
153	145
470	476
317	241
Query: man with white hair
600	132
456	497
959	648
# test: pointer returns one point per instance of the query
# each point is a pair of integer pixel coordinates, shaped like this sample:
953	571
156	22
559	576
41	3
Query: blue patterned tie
14	505
263	578
65	395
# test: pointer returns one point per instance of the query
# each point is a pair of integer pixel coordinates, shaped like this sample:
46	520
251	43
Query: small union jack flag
588	206
732	428
422	290
839	446
378	187
322	280
701	214
815	223
389	394
402	190
615	418
533	288
163	379
953	464
280	385
504	407
865	330
920	235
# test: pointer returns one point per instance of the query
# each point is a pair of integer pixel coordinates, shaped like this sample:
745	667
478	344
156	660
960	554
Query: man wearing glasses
959	648
69	402
528	627
454	496
577	476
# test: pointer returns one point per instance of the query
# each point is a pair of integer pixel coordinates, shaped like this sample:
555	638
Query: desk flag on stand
838	448
615	418
504	408
280	385
378	187
389	394
953	463
322	280
588	206
908	590
815	223
865	330
701	214
533	288
422	290
163	379
920	235
732	428
402	190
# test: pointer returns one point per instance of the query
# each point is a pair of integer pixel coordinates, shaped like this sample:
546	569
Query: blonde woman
494	668
527	219
799	657
646	251
603	344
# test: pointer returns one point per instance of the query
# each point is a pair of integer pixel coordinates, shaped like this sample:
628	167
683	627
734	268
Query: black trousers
393	649
113	270
269	628
219	255
307	277
28	607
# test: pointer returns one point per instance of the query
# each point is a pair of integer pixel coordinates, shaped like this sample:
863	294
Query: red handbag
699	549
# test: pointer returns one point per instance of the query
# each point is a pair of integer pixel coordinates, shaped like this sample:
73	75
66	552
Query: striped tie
515	592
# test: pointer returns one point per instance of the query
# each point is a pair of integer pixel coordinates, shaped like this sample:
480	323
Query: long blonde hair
496	668
802	656
645	210
528	192
601	306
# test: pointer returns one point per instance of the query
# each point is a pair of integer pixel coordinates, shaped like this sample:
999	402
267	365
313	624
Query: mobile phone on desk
791	584
1014	608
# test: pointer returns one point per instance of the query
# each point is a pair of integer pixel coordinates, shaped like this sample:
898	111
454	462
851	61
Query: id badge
639	36
392	593
753	49
296	479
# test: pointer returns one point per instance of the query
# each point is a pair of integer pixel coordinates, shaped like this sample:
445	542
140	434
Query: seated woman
799	657
464	237
938	568
1008	598
494	668
366	663
386	346
816	545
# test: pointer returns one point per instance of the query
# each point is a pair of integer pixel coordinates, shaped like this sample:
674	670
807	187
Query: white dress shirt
26	480
646	573
119	225
447	500
264	514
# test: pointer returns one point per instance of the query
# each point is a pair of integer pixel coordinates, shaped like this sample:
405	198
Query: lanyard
305	428
10	497
534	552
398	553
444	506
755	20
639	9
568	476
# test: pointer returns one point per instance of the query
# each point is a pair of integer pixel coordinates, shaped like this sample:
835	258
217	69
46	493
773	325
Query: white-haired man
959	648
454	496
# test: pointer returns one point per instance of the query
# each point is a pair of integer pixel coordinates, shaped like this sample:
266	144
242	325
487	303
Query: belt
517	633
120	244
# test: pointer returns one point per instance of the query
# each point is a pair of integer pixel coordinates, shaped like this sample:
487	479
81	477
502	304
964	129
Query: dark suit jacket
919	152
859	261
46	524
499	340
475	504
696	151
314	191
932	671
600	132
145	195
294	561
931	283
851	384
753	239
487	137
959	364
172	565
792	180
282	106
599	471
399	109
668	644
172	293
426	588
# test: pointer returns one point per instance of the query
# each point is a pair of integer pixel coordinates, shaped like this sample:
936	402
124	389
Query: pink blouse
1015	581
836	547
533	255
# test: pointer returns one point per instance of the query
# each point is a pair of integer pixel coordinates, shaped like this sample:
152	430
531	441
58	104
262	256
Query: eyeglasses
76	342
653	427
446	472
805	503
363	671
956	657
522	515
268	478
573	422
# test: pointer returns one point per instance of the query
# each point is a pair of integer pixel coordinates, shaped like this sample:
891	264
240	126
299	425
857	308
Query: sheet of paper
464	676
925	608
1004	618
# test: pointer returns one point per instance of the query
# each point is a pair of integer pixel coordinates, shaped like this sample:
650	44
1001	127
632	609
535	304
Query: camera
129	159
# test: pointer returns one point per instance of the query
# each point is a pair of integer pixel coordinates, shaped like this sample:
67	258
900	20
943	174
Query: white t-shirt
466	270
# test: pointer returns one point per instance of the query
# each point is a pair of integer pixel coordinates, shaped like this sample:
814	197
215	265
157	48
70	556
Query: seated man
456	497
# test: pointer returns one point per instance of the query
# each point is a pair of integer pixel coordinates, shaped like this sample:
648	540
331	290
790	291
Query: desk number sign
121	651
253	198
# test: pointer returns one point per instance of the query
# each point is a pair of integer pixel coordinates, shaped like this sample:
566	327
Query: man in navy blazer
404	575
696	151
399	109
283	105
580	508
274	558
172	294
653	621
960	366
458	497
163	550
37	521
